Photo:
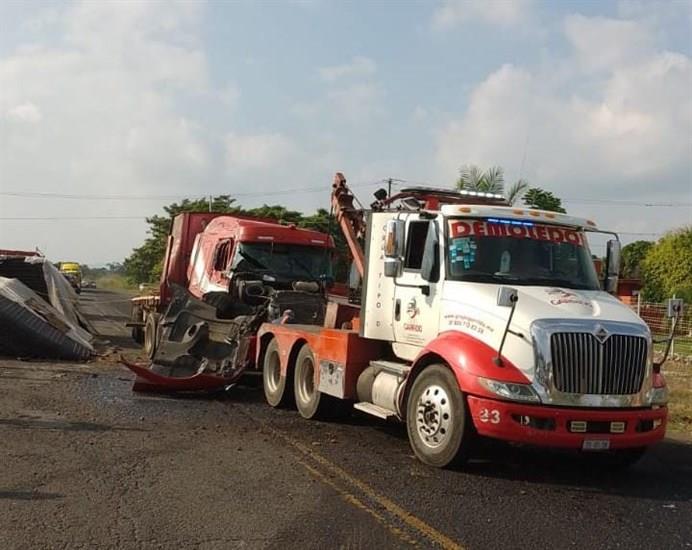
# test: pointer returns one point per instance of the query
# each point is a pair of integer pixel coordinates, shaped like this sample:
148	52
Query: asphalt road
86	463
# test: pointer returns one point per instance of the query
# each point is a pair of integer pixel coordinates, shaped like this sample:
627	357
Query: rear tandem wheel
277	389
310	401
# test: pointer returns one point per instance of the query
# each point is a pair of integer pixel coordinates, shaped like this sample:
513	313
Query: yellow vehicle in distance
73	273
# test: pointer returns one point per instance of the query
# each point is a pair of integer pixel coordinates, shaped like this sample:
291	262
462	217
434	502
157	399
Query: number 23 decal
492	416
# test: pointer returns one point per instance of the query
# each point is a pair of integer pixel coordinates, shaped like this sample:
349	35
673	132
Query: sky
110	110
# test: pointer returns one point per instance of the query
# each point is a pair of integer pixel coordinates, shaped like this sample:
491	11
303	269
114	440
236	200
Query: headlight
659	396
510	390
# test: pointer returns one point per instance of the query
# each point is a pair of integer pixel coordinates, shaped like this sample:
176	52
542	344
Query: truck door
416	295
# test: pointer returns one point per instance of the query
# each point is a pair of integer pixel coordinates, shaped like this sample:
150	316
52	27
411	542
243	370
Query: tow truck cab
481	319
575	368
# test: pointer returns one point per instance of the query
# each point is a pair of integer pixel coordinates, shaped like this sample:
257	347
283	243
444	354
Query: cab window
222	255
415	244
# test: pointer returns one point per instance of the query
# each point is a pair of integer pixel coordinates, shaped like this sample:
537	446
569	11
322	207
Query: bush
667	267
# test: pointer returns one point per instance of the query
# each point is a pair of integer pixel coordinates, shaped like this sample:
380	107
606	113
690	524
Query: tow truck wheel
436	419
151	328
310	401
275	391
307	395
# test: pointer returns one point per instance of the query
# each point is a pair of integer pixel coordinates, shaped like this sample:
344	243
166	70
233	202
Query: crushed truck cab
223	275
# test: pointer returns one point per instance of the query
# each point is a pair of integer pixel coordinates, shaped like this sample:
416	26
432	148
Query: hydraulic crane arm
350	219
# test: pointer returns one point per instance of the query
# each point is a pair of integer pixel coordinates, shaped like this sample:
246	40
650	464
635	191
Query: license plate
596	445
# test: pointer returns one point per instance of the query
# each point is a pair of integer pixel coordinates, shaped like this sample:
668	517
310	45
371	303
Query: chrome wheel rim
434	416
272	367
306	384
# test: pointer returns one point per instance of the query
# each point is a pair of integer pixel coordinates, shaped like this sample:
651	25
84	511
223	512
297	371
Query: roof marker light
510	222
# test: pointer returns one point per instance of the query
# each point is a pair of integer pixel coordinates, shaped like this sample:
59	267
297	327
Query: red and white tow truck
476	319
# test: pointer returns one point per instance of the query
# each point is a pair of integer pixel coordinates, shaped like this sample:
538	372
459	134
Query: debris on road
42	277
39	316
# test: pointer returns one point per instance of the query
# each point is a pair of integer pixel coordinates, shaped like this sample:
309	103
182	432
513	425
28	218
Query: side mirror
394	239
507	296
612	268
392	267
393	247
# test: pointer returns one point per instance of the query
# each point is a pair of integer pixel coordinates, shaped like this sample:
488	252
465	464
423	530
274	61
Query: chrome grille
581	364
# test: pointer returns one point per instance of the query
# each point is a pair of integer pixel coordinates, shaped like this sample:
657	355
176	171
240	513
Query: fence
655	316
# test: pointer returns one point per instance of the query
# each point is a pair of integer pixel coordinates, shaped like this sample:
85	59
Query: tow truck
476	319
472	319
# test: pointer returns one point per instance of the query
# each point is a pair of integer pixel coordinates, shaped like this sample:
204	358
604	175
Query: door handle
397	310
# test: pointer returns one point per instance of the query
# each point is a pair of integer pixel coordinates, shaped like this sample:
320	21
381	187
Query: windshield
521	253
293	261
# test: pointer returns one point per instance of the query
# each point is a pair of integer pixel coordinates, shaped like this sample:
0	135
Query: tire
151	340
438	426
307	395
310	402
276	390
612	461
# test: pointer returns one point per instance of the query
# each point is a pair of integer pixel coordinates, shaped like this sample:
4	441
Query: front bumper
555	426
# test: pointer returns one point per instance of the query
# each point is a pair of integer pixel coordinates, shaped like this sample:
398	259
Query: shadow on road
29	495
665	472
64	425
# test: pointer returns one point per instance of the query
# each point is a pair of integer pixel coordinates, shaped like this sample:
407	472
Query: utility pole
389	187
209	203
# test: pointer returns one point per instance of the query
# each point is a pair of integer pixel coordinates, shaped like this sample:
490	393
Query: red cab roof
248	230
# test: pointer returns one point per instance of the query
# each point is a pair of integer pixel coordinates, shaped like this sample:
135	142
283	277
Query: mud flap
149	381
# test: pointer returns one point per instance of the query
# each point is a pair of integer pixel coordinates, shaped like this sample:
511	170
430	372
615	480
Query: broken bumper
150	381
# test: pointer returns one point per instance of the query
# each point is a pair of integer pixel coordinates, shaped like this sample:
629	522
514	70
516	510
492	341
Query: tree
542	200
146	262
517	189
144	265
667	267
472	178
633	256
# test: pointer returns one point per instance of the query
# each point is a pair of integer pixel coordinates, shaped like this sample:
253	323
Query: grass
682	345
114	282
679	378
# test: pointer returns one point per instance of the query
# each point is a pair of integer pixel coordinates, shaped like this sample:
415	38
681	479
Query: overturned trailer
31	327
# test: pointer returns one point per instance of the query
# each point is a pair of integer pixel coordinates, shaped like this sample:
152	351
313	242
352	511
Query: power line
42	195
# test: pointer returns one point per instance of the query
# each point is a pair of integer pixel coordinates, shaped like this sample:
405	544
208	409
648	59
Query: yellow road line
356	502
404	515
